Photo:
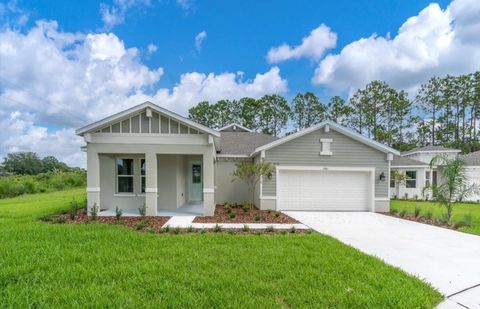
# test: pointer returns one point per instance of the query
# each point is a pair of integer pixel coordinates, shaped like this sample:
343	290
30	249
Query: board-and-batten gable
157	123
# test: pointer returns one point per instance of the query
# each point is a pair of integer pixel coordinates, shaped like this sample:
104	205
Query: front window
196	173
142	174
427	178
411	181
392	180
125	174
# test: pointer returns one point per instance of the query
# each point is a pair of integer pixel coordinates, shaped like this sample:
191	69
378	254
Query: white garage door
324	190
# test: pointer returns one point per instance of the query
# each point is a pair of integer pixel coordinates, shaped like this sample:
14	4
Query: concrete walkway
448	260
187	221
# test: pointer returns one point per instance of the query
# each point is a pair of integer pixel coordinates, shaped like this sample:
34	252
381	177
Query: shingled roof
405	161
472	158
430	148
242	143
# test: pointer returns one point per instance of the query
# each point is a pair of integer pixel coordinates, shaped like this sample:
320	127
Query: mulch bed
223	216
154	223
424	220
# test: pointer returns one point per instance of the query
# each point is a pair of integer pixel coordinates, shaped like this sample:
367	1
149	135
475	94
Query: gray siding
227	190
347	152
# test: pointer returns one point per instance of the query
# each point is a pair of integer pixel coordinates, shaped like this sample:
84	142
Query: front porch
168	184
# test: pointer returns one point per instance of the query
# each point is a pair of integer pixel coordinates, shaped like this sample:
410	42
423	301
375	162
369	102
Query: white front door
324	190
195	181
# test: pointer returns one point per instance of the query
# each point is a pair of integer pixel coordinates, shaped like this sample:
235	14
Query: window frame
428	175
143	175
410	179
117	176
392	181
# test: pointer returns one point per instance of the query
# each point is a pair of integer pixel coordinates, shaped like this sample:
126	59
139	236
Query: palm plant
455	184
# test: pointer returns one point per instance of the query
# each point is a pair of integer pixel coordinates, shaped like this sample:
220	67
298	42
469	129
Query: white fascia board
336	127
115	117
232	156
235	124
409	166
407	153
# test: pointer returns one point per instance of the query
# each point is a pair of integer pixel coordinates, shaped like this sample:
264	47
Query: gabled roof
471	159
235	127
430	148
336	127
113	118
242	144
399	161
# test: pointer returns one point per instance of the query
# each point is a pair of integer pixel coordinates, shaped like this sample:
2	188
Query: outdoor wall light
269	175
382	176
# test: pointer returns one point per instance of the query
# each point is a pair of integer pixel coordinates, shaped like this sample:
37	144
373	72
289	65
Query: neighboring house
149	155
415	165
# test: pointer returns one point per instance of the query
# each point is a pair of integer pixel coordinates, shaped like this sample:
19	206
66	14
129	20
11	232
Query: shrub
257	218
293	230
118	213
232	214
46	218
416	211
402	213
217	228
429	215
232	232
246	206
190	229
73	209
58	220
203	231
150	230
269	211
245	228
166	229
283	232
415	197
258	233
277	214
140	225
142	210
177	230
269	229
309	231
94	212
393	211
405	196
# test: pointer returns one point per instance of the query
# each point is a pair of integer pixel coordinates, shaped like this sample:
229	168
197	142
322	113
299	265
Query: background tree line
445	111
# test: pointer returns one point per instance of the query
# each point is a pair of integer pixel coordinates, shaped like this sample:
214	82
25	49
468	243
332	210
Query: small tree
251	173
454	185
398	178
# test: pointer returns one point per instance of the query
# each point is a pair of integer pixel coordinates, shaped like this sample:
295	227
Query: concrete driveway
448	260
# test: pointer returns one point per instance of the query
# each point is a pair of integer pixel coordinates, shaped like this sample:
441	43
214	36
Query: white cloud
186	5
114	14
151	48
435	42
53	82
199	40
313	46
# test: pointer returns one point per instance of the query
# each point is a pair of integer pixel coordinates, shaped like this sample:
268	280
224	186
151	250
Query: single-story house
150	155
415	165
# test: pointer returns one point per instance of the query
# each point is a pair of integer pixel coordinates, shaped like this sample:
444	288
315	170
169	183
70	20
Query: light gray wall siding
347	152
226	190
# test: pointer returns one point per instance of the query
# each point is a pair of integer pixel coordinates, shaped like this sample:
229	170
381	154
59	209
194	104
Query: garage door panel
324	190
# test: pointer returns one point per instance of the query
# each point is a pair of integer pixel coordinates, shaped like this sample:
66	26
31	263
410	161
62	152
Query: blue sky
65	63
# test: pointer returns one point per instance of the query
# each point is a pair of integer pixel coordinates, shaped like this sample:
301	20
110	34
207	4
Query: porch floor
189	209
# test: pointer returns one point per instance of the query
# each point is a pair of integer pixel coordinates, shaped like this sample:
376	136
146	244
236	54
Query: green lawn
460	210
95	265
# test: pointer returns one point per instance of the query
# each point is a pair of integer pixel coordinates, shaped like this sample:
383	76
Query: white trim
326	140
333	125
116	117
370	170
410	152
410	166
208	190
382	199
127	195
235	124
151	190
232	156
268	197
93	189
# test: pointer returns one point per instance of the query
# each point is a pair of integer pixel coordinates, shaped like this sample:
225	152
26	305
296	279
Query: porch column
151	183
93	179
208	184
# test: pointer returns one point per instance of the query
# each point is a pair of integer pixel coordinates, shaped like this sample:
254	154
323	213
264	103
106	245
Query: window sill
125	194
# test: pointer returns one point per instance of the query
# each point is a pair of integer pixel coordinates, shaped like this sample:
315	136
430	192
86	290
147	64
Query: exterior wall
400	188
473	174
382	205
347	152
227	190
108	196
